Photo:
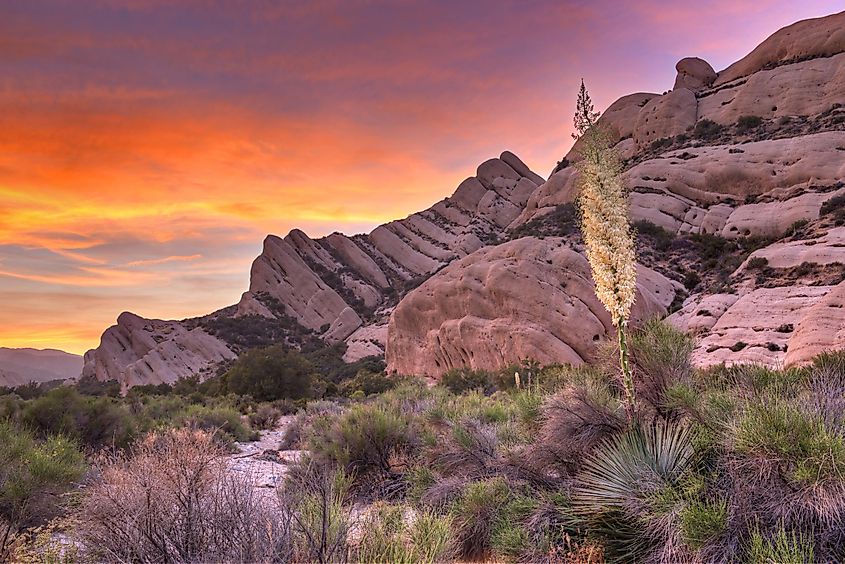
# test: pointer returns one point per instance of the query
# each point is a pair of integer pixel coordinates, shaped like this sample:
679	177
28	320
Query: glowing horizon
146	150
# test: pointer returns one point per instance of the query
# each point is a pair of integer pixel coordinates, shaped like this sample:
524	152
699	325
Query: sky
147	147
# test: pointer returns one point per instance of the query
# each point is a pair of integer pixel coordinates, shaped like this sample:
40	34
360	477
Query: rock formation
528	298
745	167
338	288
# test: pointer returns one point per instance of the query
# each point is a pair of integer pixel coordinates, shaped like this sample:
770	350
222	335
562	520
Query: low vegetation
736	464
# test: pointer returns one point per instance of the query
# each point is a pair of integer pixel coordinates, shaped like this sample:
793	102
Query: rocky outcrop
344	287
747	166
821	328
151	351
694	74
339	288
705	189
528	298
807	39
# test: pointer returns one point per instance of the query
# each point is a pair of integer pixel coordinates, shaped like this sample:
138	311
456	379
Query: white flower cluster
605	225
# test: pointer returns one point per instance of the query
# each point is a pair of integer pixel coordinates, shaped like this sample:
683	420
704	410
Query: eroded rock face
694	74
528	298
339	288
813	38
151	351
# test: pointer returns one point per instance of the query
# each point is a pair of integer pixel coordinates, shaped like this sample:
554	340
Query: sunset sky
147	147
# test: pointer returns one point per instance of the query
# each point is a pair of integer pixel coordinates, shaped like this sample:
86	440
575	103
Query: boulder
694	74
527	298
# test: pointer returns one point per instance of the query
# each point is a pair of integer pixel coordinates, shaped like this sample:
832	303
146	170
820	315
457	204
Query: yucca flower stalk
606	228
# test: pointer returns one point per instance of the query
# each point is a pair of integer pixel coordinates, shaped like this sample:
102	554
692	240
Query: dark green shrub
747	123
96	422
475	514
90	386
367	382
374	444
792	547
460	380
702	521
265	417
706	129
756	263
225	423
272	373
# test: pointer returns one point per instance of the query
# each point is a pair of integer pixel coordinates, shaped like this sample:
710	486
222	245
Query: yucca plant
630	482
606	227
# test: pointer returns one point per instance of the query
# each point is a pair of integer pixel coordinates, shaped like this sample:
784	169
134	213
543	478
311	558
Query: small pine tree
606	227
585	114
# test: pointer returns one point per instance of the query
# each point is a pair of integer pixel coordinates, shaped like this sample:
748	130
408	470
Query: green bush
475	514
460	380
225	422
747	123
702	521
367	382
272	373
706	129
792	547
32	474
96	422
808	451
390	536
372	443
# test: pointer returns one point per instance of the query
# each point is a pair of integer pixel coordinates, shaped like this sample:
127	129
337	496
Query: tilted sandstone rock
151	351
817	37
528	298
338	287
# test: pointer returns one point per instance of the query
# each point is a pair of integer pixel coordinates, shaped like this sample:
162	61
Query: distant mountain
21	366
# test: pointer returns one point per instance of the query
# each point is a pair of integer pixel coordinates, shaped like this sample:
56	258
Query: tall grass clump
606	227
33	476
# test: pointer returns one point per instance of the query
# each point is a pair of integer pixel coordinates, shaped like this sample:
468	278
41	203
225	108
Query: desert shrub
370	442
798	441
509	536
367	382
96	422
702	521
11	406
297	431
33	474
225	423
90	386
832	205
391	535
746	123
173	499
475	514
756	263
660	357
573	422
792	547
459	380
265	417
272	373
706	129
316	500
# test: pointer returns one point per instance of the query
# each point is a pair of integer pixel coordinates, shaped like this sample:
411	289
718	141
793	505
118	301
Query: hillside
21	366
737	184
